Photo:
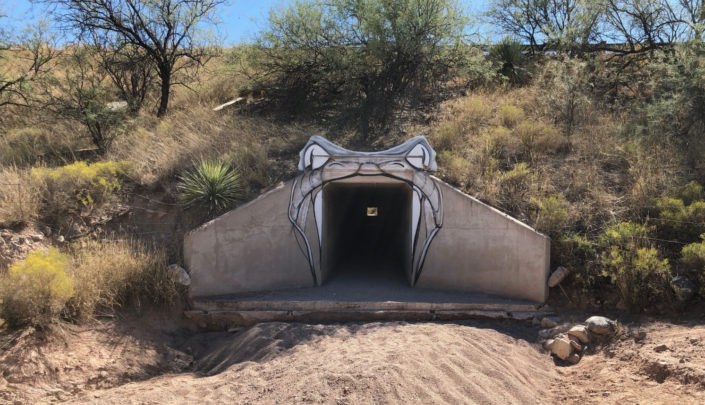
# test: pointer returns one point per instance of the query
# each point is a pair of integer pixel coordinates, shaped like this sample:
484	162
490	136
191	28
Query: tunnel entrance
367	233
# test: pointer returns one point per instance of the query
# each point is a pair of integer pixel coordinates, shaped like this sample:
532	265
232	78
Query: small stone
535	321
683	287
180	275
694	341
576	345
47	231
660	348
547	344
558	276
581	333
60	239
17	240
573	358
548	323
562	348
639	335
37	237
600	325
103	374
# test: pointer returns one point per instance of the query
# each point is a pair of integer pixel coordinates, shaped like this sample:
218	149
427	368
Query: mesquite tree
166	30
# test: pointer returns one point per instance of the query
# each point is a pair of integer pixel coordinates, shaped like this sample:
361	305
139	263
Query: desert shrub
577	252
680	221
509	57
691	192
473	111
538	137
564	91
503	143
251	161
211	185
35	290
108	275
510	115
455	167
633	266
78	186
693	254
19	197
551	215
447	138
23	146
515	186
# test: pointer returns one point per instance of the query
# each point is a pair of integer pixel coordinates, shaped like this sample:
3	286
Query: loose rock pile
568	343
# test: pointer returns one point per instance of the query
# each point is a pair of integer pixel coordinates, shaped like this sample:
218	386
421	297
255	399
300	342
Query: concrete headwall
478	249
481	249
252	248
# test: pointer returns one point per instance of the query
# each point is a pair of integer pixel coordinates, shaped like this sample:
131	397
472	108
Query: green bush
211	185
34	291
633	266
366	57
680	221
551	215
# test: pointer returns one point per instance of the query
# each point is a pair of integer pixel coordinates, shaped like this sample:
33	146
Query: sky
240	19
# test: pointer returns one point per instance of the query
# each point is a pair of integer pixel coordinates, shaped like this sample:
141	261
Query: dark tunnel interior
367	231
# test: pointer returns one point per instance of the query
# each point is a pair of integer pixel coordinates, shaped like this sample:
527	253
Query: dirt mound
59	364
667	366
353	363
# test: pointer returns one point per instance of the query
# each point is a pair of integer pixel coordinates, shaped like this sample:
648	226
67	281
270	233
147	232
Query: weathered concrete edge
224	320
324	305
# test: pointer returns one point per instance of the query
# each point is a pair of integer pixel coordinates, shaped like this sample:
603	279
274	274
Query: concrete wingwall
482	249
252	248
478	249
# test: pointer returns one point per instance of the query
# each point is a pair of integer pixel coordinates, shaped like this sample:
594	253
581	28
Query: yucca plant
211	185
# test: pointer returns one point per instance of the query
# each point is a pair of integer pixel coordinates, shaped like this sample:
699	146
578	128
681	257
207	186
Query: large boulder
600	325
180	275
562	348
581	333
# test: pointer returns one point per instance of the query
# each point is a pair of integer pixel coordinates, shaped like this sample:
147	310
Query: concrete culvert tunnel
367	229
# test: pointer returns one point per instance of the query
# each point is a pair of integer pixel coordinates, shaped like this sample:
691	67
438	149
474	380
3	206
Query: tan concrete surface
481	249
251	248
478	249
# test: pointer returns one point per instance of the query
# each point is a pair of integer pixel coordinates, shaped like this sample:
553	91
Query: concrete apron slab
220	314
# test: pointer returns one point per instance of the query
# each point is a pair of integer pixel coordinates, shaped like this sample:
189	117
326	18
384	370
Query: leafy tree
165	31
79	92
370	54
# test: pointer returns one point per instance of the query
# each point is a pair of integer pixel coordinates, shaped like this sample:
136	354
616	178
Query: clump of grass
211	185
20	197
510	115
110	275
99	276
538	137
551	215
35	290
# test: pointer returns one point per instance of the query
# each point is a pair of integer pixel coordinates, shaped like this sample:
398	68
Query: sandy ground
393	362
